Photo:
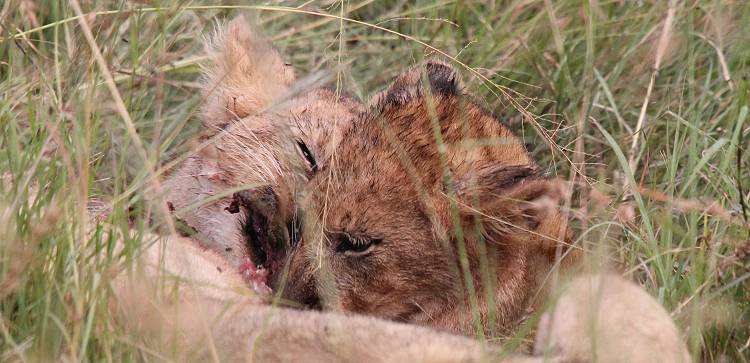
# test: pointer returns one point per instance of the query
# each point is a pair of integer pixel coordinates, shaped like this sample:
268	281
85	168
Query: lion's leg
202	309
605	318
184	302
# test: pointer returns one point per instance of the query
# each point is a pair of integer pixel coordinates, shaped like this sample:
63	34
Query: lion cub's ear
517	206
443	81
246	73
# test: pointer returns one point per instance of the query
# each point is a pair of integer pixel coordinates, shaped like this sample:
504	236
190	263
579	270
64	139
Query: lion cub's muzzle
268	231
273	236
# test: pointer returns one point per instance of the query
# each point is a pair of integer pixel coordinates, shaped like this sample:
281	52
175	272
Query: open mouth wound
267	234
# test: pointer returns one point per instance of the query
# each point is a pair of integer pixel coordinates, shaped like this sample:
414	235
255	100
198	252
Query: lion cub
264	135
433	211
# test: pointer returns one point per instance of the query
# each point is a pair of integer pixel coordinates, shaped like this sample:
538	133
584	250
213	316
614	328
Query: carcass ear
517	205
443	80
246	73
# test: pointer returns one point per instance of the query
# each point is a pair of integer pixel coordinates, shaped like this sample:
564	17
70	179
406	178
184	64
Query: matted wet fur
382	201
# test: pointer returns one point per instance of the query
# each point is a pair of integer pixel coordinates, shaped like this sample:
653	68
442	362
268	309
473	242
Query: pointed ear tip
439	63
238	28
443	77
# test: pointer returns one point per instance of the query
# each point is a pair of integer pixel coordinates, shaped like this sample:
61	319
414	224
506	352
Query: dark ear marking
442	78
519	195
498	179
507	177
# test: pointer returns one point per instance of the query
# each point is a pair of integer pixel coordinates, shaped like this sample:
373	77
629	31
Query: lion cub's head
266	134
429	210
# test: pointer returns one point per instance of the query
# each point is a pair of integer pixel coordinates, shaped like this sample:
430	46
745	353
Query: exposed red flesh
255	276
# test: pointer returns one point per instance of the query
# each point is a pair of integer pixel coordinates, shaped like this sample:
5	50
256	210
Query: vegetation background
642	105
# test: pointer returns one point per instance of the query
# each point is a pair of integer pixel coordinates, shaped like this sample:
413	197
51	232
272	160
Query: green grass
571	77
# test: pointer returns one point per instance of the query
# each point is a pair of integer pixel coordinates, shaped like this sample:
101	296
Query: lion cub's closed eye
353	245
